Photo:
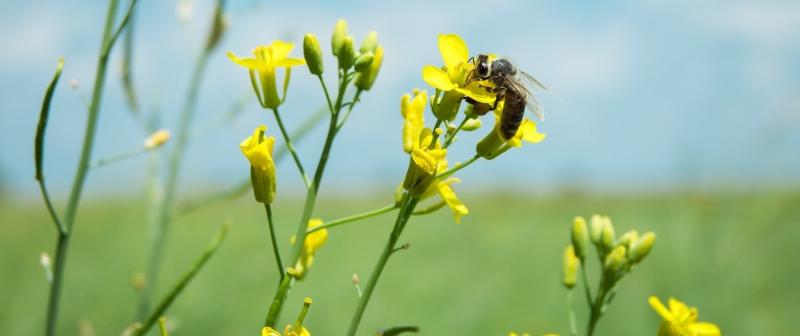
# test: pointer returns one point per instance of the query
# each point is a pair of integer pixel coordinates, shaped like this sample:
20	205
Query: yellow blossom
258	150
264	65
425	162
313	243
448	196
681	320
455	55
267	331
453	78
413	111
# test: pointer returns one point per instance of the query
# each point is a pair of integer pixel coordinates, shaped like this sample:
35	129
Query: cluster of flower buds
366	61
617	255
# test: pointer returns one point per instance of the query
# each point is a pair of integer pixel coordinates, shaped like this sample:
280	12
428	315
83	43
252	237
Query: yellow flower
413	112
258	150
313	243
267	331
447	194
267	59
455	55
453	79
681	320
425	162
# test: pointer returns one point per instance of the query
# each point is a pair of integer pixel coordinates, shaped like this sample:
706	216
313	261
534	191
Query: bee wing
532	82
530	102
533	105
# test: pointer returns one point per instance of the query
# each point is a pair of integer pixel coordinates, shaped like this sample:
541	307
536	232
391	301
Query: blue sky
645	95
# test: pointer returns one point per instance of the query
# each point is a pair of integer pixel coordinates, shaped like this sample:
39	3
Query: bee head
482	66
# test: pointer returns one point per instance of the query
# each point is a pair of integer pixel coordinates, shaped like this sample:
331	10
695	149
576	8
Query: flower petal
451	199
288	62
250	63
659	307
453	49
704	329
477	91
280	49
437	78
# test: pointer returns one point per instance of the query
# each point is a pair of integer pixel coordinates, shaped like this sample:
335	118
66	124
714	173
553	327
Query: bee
510	83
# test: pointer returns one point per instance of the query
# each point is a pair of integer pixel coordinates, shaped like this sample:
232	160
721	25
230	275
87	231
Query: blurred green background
729	254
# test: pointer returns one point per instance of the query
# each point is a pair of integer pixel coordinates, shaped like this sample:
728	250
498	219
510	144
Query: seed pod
570	271
641	247
580	237
313	54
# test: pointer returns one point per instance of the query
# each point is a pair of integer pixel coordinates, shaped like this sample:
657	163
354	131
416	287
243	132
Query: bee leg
497	100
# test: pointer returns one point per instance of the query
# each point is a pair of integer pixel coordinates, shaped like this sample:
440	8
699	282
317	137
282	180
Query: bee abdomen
513	111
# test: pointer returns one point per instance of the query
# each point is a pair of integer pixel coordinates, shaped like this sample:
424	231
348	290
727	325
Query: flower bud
641	247
366	78
580	237
628	238
570	270
364	61
313	54
471	125
370	42
616	259
596	228
157	139
347	53
339	33
607	237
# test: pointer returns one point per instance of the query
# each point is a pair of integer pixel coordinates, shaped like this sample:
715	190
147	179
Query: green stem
290	147
573	322
597	306
62	243
327	95
183	281
277	301
274	239
450	137
407	207
353	218
311	196
171	182
587	290
349	110
458	167
118	157
435	134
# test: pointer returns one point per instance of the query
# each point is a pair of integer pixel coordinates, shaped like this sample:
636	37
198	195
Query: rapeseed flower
495	144
448	195
426	161
681	320
263	67
453	78
258	150
313	243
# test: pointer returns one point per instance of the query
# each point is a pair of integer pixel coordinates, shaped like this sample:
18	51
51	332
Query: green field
732	256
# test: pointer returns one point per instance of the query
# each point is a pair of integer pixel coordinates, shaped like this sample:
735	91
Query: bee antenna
471	60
